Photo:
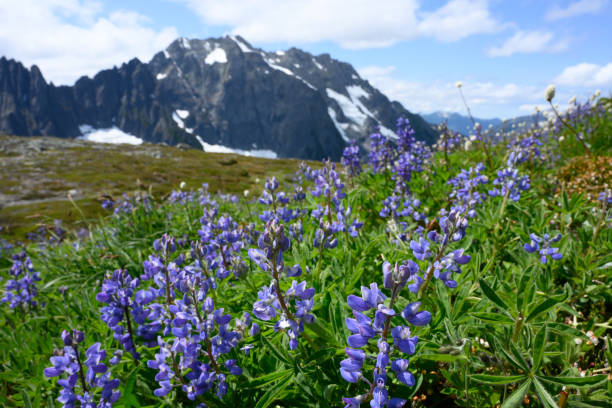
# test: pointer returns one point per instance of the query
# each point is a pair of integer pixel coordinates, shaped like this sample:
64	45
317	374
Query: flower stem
81	375
573	129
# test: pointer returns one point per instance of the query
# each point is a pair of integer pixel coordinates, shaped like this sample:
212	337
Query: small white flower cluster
482	342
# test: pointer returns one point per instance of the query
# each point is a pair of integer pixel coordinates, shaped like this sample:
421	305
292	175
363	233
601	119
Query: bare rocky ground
26	163
46	178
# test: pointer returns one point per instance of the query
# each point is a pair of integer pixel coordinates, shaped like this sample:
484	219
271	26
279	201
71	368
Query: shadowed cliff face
217	92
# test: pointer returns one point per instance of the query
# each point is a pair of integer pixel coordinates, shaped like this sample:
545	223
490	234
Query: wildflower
294	306
549	93
82	385
543	245
117	291
351	159
364	329
458	84
21	290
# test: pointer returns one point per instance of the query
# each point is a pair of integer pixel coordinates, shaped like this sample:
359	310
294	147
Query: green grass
115	170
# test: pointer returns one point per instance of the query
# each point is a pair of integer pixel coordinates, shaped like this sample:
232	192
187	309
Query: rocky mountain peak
215	94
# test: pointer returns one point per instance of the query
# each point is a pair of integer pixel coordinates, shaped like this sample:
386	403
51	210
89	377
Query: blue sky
504	52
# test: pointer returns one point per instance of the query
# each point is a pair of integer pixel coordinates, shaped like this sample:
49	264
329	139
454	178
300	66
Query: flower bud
549	93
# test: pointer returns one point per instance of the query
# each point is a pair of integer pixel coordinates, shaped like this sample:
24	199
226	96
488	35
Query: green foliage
514	329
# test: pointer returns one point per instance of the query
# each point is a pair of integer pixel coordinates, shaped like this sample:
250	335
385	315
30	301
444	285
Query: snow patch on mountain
287	72
183	114
349	108
217	55
340	126
177	119
212	148
243	47
321	67
112	135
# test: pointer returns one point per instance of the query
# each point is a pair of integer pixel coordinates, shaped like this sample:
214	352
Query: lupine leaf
273	393
447	358
497	379
493	317
544	395
516	398
576	382
546	305
492	296
538	348
277	353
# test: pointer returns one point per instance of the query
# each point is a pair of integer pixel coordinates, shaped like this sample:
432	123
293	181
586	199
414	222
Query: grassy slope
37	185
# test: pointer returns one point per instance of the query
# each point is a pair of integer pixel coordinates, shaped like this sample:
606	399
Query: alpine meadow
474	272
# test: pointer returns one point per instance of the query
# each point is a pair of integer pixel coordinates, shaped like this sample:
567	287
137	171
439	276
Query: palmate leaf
516	399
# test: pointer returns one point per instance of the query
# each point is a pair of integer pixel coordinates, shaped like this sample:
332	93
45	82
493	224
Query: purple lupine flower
543	246
351	159
364	329
380	152
118	293
200	332
525	148
420	249
21	290
411	155
511	184
464	193
605	197
293	308
108	204
278	201
82	385
220	247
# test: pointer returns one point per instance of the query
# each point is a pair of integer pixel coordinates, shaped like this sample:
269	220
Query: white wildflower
549	93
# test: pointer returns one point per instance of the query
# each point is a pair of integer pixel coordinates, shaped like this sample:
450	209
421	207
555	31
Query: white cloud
484	98
528	42
586	75
575	9
459	19
70	38
351	23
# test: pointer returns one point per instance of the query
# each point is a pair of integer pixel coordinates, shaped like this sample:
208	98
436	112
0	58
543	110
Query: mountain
215	94
457	122
494	128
